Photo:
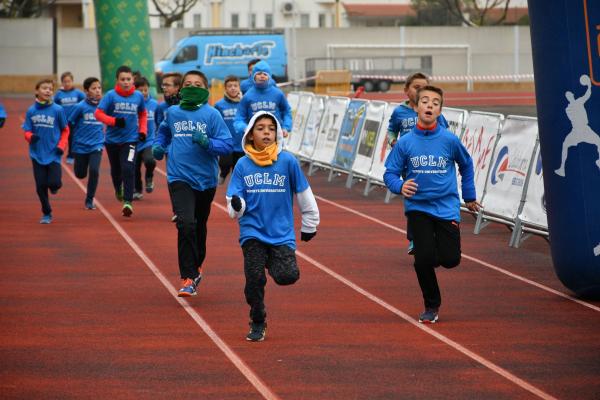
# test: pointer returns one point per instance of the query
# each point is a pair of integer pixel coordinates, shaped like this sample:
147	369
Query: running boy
47	132
260	195
88	138
171	83
404	119
67	97
196	135
228	107
263	97
247	83
123	110
144	148
426	157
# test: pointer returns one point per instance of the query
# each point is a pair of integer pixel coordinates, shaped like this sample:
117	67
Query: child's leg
94	165
235	156
225	164
149	163
255	260
54	177
184	200
202	211
448	243
127	158
282	265
81	165
113	152
423	230
138	174
40	174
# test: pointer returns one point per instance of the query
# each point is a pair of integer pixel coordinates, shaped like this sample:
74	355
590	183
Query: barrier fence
349	136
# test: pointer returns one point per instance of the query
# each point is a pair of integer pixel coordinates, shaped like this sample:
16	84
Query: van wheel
369	86
384	86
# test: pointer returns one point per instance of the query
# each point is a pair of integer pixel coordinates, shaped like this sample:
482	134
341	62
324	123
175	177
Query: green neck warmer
193	97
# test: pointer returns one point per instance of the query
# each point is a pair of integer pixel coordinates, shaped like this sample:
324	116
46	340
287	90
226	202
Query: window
304	20
252	20
188	53
197	21
322	20
235	20
268	20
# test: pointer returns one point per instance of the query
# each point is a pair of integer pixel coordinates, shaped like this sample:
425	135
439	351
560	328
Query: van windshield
170	53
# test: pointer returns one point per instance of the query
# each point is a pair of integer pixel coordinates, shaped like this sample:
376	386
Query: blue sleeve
286	113
442	121
57	98
141	102
27	125
80	95
62	118
220	142
105	103
394	167
159	115
298	181
163	135
2	111
241	117
236	186
467	173
75	114
393	125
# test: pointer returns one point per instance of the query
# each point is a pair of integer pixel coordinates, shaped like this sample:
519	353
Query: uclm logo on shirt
592	28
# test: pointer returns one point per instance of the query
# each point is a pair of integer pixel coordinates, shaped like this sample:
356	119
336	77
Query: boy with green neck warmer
196	135
228	107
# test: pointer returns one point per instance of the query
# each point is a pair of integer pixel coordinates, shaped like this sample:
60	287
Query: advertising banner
382	148
295	137
329	132
349	134
456	119
311	130
534	210
368	138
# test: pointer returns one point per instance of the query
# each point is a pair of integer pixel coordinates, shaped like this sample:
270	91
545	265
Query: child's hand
158	152
236	203
59	151
120	122
306	236
141	136
409	188
34	138
285	133
200	138
473	206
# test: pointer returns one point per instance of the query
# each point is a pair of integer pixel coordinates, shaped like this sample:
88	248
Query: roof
378	10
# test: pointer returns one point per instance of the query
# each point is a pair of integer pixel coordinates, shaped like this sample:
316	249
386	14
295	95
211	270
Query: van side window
188	53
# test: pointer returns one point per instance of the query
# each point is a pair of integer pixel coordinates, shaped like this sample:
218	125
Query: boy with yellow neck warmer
260	196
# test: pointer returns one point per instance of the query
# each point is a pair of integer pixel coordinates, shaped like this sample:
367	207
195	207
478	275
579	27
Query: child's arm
467	176
241	117
143	124
64	133
162	139
27	127
310	214
236	205
219	143
105	118
394	166
286	114
393	129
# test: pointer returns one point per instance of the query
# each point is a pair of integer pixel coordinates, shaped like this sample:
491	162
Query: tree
23	8
433	12
478	12
172	11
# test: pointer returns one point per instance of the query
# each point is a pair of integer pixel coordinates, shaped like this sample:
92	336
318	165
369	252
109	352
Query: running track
88	307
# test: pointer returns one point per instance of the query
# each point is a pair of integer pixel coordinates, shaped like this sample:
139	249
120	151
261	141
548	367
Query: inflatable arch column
123	32
565	38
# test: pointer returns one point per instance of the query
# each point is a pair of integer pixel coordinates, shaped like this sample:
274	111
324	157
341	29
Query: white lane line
252	377
486	363
476	260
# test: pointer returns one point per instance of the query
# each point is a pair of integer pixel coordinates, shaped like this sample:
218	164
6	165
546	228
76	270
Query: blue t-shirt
47	121
228	110
68	99
404	119
115	105
160	113
88	132
269	99
429	158
2	111
188	161
151	106
268	192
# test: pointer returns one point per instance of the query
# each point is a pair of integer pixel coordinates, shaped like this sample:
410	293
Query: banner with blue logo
565	36
349	134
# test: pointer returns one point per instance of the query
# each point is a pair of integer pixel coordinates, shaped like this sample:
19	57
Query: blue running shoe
429	316
189	287
46	219
89	204
258	331
411	248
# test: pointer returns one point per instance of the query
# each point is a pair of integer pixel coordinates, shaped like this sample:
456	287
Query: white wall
26	46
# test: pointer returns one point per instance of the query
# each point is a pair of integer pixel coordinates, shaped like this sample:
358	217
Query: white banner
479	137
313	124
330	130
534	211
510	165
293	99
456	119
368	137
382	149
294	139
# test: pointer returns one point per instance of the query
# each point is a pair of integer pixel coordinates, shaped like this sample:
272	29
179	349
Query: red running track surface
88	314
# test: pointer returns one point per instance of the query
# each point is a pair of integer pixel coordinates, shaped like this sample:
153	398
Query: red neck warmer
427	128
122	92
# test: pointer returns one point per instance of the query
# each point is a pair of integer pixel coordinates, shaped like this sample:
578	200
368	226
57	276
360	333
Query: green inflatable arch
123	32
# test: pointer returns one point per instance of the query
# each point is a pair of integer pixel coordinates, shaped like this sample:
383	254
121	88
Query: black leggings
122	167
145	156
437	242
192	208
47	177
91	162
227	163
281	263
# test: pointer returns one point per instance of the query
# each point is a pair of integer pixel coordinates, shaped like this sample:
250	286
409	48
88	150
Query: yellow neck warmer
262	157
